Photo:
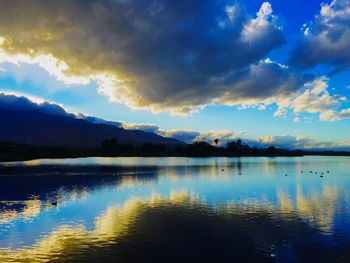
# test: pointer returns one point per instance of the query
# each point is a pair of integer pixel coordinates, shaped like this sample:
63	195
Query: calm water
176	209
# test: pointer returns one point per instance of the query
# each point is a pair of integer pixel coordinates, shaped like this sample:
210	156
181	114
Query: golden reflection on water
114	223
315	204
269	167
117	221
317	208
32	163
31	208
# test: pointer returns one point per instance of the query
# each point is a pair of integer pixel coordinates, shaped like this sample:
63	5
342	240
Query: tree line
111	147
198	148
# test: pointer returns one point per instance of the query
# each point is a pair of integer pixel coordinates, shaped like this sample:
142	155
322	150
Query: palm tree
216	141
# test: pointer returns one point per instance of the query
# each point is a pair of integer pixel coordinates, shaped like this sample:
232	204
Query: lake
287	209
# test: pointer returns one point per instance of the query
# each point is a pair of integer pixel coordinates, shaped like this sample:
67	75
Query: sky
276	71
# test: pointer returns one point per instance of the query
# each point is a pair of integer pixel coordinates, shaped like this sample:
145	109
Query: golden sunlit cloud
83	43
151	66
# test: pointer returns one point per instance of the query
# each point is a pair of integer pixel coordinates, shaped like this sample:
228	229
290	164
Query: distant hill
25	122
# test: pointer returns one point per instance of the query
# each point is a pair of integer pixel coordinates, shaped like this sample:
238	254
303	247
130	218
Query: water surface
292	209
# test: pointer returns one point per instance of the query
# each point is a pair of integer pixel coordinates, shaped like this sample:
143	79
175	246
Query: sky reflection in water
173	209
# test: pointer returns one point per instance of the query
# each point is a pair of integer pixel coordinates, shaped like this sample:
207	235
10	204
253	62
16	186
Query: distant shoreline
168	156
18	152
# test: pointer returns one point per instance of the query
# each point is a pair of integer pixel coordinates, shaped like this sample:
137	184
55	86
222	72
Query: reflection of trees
48	182
151	230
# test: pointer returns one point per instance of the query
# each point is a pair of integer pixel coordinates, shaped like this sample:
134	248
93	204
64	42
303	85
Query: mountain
45	124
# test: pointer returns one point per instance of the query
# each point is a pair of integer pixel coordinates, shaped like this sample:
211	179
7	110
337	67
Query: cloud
315	98
190	136
280	112
333	115
285	141
280	141
13	101
327	39
187	136
98	120
345	113
262	83
159	55
303	143
147	127
257	29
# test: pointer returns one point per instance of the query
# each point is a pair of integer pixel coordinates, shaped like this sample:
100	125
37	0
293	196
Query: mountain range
24	121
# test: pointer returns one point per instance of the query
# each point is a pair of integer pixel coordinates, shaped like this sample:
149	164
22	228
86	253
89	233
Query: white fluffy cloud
190	136
258	28
147	127
315	98
333	115
283	141
303	142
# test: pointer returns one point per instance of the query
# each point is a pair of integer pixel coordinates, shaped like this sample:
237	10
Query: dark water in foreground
176	210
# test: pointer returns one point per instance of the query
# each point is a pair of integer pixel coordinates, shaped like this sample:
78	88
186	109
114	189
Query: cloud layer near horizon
14	101
160	55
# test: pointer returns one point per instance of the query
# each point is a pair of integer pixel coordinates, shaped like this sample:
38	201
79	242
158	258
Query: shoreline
12	152
2	161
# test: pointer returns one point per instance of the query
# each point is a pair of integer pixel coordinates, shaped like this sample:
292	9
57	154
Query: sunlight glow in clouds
48	62
185	56
154	66
151	66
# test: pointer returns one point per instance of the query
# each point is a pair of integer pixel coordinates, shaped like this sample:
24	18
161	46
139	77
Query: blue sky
256	69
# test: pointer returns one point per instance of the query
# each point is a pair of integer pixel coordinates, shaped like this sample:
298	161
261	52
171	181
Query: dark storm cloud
158	54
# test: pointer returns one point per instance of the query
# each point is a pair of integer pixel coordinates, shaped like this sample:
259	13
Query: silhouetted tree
126	148
160	148
179	150
148	147
272	150
232	148
201	148
216	141
110	145
237	148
